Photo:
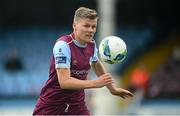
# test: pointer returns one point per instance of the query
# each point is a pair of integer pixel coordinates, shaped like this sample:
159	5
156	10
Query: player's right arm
62	57
68	82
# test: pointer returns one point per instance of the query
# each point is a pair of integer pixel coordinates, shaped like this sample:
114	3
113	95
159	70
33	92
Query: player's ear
74	25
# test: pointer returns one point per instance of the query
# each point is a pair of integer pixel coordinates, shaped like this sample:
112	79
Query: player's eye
87	26
94	26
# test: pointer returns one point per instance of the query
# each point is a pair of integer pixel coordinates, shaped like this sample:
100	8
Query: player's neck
76	37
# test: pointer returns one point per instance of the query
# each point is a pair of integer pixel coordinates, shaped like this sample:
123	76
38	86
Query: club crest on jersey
60	50
60	59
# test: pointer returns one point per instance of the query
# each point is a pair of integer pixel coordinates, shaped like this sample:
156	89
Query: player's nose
91	30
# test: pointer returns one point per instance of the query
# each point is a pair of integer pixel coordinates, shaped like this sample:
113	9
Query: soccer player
73	54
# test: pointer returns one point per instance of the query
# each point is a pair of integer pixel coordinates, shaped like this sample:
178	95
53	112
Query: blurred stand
12	69
165	80
13	62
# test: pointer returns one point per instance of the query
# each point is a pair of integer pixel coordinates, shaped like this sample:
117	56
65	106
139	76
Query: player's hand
103	80
122	93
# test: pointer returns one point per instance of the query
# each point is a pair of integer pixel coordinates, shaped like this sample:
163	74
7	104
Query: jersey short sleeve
62	55
94	58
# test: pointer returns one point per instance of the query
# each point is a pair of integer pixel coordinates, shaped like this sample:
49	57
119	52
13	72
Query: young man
63	93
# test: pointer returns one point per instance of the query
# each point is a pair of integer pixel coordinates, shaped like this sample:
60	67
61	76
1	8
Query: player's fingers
109	81
106	83
107	74
122	96
130	94
106	78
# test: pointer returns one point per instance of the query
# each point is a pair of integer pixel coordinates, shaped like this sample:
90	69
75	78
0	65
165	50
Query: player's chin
89	40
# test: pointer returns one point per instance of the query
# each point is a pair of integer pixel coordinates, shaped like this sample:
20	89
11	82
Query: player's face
84	30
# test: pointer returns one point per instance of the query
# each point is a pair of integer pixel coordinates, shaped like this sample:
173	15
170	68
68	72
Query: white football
112	50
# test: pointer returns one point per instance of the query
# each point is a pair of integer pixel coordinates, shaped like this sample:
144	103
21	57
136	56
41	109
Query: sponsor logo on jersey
60	59
79	72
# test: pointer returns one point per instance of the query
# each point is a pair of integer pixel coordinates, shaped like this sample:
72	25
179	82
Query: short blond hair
84	12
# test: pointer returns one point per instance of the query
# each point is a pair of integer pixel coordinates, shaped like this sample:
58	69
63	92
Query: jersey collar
72	35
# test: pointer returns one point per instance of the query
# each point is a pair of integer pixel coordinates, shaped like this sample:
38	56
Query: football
112	50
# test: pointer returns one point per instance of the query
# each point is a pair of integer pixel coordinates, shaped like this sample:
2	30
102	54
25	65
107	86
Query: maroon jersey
52	93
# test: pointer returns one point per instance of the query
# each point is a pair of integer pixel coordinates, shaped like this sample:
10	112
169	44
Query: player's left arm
99	70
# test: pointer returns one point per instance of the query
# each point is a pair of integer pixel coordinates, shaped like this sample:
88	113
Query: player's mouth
89	35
